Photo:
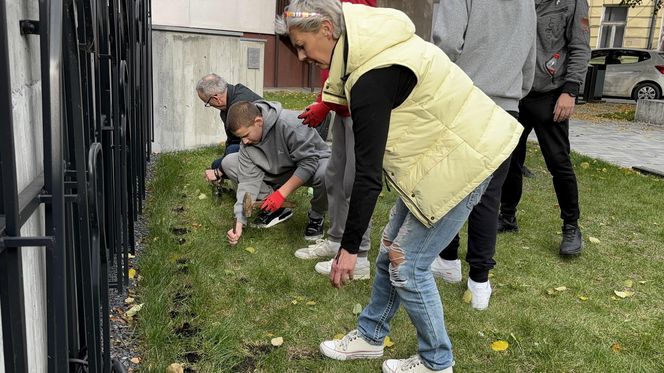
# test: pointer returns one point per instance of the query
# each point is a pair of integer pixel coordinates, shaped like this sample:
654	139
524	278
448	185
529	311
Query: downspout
653	23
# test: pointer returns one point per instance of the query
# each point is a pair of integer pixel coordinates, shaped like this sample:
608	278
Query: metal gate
96	83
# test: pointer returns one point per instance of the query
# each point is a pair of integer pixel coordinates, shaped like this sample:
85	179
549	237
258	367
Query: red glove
273	202
314	114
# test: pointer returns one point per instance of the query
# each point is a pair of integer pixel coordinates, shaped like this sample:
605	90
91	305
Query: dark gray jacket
563	28
235	93
286	148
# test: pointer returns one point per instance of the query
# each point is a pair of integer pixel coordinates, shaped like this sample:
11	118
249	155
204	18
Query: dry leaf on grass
134	310
175	368
623	294
136	360
628	283
132	273
202	196
278	341
311	303
357	308
250	249
129	300
500	345
467	296
561	288
593	239
616	347
388	342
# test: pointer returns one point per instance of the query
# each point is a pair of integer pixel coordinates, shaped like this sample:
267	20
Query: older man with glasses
215	92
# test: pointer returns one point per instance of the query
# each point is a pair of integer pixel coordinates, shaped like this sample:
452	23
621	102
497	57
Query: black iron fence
96	82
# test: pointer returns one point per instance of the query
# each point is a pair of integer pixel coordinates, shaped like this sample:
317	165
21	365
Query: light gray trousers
230	165
339	180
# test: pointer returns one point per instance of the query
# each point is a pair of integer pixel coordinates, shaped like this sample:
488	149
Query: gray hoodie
493	41
287	148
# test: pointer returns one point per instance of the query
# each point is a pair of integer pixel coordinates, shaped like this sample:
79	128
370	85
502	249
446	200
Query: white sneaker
449	270
351	346
361	272
320	249
413	365
481	292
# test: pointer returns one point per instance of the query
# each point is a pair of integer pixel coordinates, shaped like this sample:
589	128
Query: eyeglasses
207	103
301	14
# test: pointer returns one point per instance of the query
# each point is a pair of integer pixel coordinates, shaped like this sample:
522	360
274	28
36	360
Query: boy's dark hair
242	114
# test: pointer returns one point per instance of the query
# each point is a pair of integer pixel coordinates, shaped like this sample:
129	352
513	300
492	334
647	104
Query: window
630	56
598	57
612	30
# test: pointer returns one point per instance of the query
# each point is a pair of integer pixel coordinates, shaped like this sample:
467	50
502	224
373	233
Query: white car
631	73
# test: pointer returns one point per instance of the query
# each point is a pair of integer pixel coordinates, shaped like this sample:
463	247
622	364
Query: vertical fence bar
50	14
11	266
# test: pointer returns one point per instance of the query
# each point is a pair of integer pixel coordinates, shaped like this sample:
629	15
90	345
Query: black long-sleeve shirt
373	97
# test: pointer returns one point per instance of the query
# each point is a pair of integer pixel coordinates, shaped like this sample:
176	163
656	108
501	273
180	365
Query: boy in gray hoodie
277	155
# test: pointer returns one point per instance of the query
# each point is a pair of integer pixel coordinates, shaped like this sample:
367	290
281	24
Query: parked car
631	73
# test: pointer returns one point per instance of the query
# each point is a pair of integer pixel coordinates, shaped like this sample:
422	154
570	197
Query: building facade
615	23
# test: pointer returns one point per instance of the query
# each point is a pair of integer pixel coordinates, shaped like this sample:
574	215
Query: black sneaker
572	240
266	219
314	229
507	224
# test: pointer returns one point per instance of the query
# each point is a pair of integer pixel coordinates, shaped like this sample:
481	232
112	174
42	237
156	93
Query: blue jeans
403	276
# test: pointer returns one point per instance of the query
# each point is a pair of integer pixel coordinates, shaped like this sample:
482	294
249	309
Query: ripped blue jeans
403	277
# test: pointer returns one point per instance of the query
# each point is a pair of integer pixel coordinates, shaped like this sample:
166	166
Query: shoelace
411	362
347	339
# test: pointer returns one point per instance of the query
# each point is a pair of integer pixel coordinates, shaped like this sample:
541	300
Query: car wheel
648	91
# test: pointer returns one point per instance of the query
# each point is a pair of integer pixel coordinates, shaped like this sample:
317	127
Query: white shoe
361	272
320	249
351	346
449	270
481	292
413	365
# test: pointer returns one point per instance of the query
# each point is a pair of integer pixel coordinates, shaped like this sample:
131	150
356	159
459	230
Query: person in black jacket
215	92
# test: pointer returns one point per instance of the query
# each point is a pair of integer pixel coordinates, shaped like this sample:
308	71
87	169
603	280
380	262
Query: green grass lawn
215	308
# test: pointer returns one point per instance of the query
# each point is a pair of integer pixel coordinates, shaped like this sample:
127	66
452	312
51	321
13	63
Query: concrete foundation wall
180	59
27	120
650	111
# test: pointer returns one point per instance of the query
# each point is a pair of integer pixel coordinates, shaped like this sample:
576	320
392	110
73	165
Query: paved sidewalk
621	143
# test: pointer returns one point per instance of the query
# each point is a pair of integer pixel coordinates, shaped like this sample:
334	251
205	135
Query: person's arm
373	97
528	70
578	48
449	29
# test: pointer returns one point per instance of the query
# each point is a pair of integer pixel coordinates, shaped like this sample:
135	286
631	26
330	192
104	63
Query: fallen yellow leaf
585	164
499	345
294	301
250	249
623	294
175	368
202	196
131	256
311	303
561	288
129	300
642	282
132	273
467	296
278	341
134	310
593	239
136	360
628	283
357	308
583	298
616	347
388	342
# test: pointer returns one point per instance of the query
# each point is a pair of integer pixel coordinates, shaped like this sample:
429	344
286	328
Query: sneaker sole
313	238
446	279
334	354
309	256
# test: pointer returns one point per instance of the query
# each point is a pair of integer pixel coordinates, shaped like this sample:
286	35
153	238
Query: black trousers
482	226
536	112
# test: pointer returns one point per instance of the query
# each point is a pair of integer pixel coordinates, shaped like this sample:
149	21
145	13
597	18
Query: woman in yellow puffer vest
436	138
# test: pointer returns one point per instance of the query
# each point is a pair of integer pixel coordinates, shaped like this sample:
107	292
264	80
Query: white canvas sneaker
320	249
448	270
481	292
362	269
411	365
351	346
